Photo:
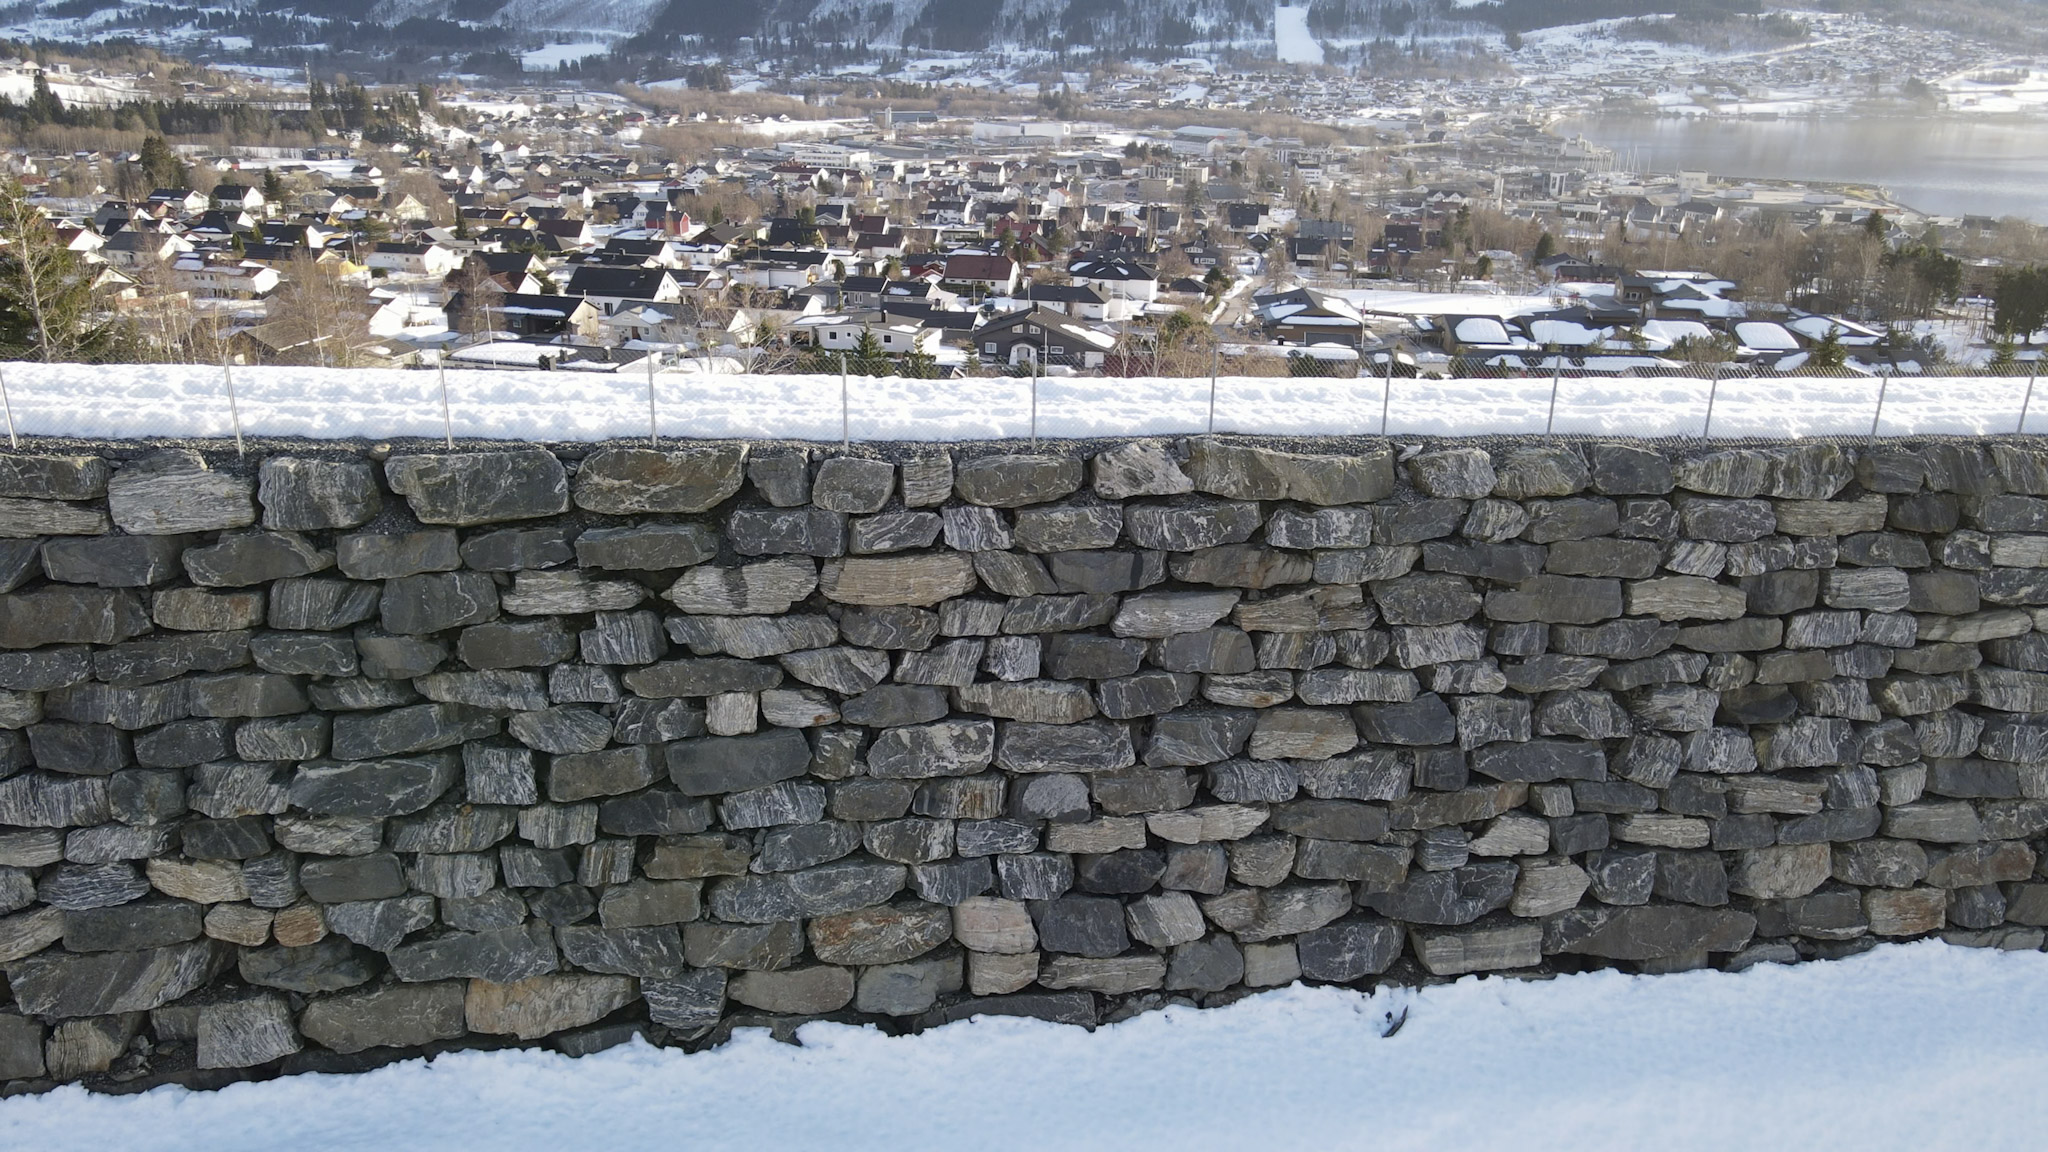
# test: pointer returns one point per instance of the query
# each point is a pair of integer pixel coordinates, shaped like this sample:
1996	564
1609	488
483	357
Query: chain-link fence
1001	394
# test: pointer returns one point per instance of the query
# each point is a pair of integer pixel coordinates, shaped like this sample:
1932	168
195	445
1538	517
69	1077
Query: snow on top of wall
1907	1046
181	400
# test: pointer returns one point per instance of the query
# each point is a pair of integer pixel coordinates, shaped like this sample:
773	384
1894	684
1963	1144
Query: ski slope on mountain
1292	40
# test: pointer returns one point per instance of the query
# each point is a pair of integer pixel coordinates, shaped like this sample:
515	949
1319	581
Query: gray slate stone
637	481
310	495
480	488
173	491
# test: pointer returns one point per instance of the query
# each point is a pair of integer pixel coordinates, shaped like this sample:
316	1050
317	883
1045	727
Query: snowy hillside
1107	26
1907	1046
973	25
621	16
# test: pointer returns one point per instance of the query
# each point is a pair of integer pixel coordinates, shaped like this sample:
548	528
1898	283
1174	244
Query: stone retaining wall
336	756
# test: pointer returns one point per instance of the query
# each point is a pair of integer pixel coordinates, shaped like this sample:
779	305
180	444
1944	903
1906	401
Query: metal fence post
1387	392
1037	370
5	400
1215	361
1884	381
1713	390
447	420
2025	404
1551	421
653	428
234	411
845	415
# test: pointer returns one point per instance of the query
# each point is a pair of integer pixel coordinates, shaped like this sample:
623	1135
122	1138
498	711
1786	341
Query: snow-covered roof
1762	336
1481	330
1563	333
1850	335
1714	307
1662	334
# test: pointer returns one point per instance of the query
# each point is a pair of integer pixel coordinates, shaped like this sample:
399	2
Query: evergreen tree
273	187
1828	352
1546	247
43	105
867	357
918	365
2019	302
161	167
1215	283
46	302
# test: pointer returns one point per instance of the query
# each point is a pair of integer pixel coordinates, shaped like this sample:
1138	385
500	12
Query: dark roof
972	266
930	316
1043	317
535	303
633	283
793	258
1097	266
497	262
1061	293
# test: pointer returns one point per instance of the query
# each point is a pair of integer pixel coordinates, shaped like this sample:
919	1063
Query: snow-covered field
555	55
176	400
1916	1046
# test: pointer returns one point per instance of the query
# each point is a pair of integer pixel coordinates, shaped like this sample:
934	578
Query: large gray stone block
308	495
70	615
173	491
98	984
638	481
480	488
393	1016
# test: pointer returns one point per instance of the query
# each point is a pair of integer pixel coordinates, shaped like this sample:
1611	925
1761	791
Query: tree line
382	117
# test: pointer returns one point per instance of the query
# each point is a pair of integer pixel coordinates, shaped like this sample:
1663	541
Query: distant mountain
1109	27
620	16
491	34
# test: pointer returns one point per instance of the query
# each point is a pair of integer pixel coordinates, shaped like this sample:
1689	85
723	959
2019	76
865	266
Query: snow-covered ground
554	56
1292	41
175	400
1909	1046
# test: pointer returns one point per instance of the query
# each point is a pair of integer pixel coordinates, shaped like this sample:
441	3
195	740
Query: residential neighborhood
1437	227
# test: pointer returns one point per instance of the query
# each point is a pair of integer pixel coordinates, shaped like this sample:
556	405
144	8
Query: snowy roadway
181	401
1917	1046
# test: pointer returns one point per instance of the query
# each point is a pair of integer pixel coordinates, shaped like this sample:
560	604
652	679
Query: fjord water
1948	166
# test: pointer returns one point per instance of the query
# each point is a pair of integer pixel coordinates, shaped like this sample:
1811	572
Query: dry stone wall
335	756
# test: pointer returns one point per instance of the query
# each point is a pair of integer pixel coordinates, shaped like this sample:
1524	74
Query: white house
896	336
1115	277
132	248
225	279
412	259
